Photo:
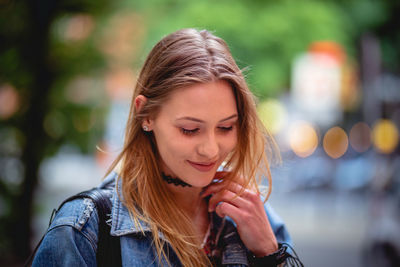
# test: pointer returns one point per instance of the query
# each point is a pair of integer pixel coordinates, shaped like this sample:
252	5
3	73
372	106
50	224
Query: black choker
175	181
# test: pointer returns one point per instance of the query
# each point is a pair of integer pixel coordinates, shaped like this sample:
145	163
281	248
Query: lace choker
175	181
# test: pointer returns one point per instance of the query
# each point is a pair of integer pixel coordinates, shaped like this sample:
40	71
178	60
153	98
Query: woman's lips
203	167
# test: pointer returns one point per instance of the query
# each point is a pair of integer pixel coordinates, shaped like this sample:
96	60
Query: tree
31	75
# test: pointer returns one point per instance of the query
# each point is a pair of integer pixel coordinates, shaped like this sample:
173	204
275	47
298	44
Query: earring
145	128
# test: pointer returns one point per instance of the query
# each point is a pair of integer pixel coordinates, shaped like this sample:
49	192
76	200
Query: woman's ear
140	101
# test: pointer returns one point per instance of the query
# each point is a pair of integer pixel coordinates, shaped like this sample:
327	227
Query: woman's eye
226	129
189	131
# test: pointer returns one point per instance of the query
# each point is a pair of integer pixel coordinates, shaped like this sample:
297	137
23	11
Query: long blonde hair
184	58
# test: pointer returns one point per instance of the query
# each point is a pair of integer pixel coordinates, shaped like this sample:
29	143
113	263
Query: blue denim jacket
71	239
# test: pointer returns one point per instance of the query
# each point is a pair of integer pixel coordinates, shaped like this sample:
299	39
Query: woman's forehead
201	100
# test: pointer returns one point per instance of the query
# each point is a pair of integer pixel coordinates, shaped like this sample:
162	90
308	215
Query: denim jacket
71	239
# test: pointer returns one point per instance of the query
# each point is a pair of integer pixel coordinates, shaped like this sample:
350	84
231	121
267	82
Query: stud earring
145	128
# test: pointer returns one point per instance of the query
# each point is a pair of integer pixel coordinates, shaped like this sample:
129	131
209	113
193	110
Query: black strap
108	246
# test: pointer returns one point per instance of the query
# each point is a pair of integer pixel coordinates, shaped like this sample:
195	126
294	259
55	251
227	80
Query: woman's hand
247	210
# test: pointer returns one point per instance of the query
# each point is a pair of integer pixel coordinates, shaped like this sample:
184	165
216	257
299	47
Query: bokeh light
273	115
122	38
73	29
120	83
335	142
84	122
9	101
303	139
79	27
360	137
385	136
85	90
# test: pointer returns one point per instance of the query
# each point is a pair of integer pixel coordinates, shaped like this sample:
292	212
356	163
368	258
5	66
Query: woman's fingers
225	196
244	206
230	192
225	185
231	209
227	209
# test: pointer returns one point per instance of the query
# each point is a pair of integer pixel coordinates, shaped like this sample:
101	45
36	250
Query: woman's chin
203	182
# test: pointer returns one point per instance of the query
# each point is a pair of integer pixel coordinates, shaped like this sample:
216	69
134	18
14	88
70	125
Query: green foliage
366	14
263	35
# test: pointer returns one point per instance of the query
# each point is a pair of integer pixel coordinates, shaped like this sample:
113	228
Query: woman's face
195	130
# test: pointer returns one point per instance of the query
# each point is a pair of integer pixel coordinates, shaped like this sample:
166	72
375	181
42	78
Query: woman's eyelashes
193	131
226	129
189	131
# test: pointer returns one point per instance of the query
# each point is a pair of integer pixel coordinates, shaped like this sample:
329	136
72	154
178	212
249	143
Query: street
327	227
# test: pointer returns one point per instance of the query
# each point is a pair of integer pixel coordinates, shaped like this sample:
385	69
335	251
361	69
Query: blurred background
327	78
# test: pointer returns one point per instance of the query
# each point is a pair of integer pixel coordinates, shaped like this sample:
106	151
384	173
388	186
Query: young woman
187	180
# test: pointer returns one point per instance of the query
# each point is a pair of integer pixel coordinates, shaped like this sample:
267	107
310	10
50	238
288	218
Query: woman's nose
209	147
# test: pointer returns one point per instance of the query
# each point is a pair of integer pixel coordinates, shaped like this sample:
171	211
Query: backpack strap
108	246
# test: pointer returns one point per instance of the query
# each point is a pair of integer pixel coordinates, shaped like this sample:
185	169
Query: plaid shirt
223	245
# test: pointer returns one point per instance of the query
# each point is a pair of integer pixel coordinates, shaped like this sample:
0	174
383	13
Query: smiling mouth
203	167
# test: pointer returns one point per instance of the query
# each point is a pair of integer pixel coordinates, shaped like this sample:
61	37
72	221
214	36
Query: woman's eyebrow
228	118
201	121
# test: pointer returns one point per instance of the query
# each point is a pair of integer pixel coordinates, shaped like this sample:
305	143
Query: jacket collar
122	222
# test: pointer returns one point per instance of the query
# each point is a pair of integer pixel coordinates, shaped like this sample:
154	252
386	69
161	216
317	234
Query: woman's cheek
234	141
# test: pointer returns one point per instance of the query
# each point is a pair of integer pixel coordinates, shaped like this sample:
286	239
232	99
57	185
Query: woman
187	179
